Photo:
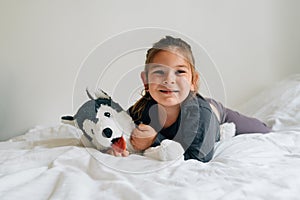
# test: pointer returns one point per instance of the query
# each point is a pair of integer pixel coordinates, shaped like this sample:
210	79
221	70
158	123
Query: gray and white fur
102	120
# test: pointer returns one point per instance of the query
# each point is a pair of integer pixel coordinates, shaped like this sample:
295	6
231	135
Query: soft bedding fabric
279	106
51	163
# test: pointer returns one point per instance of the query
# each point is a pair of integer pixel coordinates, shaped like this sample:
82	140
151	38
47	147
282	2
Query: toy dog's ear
68	120
101	94
89	94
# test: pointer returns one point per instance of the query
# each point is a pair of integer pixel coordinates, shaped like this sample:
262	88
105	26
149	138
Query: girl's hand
142	137
117	153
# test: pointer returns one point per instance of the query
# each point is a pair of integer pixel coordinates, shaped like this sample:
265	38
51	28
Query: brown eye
180	72
160	72
107	114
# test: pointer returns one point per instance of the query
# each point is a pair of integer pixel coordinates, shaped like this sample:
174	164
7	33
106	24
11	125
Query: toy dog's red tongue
119	144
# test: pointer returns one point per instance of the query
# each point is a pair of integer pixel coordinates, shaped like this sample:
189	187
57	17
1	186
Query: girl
172	108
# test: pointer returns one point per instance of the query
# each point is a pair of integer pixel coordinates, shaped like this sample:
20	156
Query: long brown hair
175	45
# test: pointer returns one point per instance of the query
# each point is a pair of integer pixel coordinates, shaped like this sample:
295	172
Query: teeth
169	90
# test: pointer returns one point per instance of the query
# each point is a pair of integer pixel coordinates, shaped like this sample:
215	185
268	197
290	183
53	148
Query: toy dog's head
103	122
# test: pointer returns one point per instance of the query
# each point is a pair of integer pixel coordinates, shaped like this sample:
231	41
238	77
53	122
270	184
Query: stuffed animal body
106	125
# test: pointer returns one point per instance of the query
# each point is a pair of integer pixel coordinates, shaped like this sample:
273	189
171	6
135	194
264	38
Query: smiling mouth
169	91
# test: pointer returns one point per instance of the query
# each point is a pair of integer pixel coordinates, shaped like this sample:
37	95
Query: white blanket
50	163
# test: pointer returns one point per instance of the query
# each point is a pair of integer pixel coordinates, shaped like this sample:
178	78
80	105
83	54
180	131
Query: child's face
169	78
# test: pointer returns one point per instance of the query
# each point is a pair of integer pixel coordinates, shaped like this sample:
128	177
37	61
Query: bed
51	163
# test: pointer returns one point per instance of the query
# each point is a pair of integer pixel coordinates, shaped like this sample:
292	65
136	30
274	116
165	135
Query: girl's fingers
135	144
112	152
138	133
117	154
143	127
125	153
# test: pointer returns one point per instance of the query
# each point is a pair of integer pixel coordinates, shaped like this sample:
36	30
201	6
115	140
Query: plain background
43	44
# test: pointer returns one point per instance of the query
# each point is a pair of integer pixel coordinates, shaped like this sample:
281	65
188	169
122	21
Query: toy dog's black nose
107	132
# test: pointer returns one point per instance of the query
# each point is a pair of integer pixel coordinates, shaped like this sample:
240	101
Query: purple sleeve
245	124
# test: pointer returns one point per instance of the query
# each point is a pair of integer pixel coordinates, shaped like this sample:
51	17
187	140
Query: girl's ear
195	82
144	79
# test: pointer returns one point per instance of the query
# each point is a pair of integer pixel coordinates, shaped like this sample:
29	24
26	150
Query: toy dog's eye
107	114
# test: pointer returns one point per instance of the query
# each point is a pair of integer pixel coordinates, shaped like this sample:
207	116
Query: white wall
44	43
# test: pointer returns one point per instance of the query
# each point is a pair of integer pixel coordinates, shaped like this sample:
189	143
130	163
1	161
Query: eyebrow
184	66
158	65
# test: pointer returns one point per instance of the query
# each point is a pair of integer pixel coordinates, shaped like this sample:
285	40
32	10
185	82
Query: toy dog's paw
168	150
227	130
172	150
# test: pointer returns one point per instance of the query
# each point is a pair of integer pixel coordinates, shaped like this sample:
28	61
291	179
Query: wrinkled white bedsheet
51	163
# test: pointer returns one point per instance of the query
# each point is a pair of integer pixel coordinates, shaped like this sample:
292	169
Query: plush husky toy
106	125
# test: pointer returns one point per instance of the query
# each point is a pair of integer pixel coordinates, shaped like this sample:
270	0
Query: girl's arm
202	147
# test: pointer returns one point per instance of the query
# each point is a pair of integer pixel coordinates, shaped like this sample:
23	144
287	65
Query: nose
107	132
169	78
